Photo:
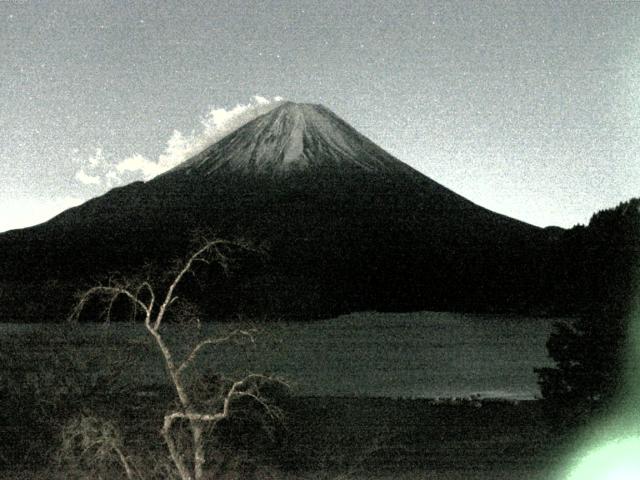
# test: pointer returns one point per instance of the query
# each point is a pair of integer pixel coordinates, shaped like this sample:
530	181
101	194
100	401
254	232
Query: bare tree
154	310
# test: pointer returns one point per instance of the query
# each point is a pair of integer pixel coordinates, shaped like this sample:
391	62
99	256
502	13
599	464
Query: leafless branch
198	255
236	334
111	292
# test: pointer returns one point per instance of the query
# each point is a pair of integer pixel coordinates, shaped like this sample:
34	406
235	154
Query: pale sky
531	109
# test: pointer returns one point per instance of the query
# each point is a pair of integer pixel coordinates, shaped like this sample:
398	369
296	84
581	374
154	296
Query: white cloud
137	163
216	124
86	179
97	159
25	212
112	178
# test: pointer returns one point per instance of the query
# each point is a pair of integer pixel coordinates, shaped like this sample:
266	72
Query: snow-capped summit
292	137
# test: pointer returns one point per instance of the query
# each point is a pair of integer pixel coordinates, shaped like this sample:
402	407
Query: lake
408	355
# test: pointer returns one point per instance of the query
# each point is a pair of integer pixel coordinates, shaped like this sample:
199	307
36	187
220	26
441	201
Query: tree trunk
198	449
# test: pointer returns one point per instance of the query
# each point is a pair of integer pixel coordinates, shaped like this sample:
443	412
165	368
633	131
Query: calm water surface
423	354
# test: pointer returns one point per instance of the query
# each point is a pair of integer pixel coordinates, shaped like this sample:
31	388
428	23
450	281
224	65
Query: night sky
531	109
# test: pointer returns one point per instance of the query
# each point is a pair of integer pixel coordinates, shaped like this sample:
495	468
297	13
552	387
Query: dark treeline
595	267
592	353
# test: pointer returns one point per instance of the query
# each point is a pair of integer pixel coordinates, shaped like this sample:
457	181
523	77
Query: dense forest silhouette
591	353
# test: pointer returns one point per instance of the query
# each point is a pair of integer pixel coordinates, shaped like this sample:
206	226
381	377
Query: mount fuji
348	227
293	137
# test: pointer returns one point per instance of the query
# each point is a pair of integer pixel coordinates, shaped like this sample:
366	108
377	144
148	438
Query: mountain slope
349	227
292	137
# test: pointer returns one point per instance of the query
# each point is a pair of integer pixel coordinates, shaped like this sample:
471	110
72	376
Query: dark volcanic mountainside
349	227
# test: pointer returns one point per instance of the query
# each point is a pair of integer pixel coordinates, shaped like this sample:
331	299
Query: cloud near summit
100	172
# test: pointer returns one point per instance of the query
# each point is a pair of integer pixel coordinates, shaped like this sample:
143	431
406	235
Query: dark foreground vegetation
68	402
320	438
